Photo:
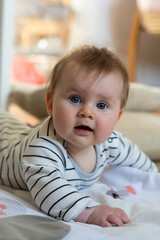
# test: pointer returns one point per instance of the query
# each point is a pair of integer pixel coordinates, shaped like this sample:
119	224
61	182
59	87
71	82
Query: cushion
30	98
143	128
143	97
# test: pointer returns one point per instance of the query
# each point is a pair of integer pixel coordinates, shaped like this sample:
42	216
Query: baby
68	152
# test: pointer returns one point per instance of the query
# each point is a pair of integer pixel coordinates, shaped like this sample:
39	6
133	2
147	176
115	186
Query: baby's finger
105	223
123	216
114	220
125	219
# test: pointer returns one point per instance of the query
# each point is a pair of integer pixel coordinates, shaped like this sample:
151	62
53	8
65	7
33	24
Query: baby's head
91	59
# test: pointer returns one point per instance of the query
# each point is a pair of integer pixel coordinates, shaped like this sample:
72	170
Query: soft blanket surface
137	192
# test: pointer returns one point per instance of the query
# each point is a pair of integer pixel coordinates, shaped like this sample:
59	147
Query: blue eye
101	106
75	99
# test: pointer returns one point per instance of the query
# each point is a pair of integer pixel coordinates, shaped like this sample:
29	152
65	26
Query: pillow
143	128
30	98
143	97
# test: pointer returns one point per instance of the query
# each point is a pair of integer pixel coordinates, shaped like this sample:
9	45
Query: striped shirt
35	159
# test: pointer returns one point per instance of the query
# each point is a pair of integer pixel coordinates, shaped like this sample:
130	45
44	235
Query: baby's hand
106	216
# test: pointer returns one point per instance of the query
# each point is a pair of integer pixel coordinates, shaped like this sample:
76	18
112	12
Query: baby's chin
78	144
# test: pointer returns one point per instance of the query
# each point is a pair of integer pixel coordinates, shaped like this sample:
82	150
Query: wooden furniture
38	28
41	33
148	22
42	19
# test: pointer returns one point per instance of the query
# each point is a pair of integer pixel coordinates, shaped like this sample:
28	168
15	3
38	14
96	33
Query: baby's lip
84	127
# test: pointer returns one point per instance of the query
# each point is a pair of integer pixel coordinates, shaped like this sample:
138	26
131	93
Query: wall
6	40
108	23
148	65
100	22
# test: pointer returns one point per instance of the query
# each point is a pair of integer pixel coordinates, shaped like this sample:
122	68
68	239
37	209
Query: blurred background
34	34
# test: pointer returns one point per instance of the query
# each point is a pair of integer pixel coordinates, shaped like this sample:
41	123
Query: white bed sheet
139	196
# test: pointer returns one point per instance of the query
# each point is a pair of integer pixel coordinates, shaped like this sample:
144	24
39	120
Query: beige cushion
143	128
143	97
30	98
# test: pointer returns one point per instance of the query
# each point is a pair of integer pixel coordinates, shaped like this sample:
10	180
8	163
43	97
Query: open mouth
84	128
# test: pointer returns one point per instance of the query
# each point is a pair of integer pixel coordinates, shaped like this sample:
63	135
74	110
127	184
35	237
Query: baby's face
84	111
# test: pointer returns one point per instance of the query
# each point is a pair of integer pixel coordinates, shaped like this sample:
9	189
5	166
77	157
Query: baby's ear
49	103
120	114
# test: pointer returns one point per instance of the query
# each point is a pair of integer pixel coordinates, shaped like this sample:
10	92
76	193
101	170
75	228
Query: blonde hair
91	59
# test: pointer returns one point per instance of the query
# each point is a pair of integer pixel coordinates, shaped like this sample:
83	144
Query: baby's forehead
78	74
75	68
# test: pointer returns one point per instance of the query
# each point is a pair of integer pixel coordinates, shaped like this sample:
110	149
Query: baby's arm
44	171
55	196
103	216
125	153
50	190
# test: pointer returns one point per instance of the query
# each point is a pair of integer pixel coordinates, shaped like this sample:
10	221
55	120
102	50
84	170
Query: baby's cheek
103	132
61	123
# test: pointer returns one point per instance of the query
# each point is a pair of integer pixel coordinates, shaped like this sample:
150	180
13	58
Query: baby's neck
84	157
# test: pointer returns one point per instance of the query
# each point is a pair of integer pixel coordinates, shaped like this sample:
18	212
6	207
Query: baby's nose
86	112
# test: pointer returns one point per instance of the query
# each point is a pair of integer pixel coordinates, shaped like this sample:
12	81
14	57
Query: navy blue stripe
46	185
33	137
3	139
101	166
13	167
129	149
150	167
105	150
84	180
26	142
38	134
143	163
69	169
60	200
4	148
136	160
60	213
24	134
122	142
73	205
8	167
64	163
65	185
48	127
41	178
20	166
39	170
39	156
1	169
27	169
106	160
39	146
114	133
112	147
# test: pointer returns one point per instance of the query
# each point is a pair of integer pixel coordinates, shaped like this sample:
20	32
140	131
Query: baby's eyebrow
106	96
110	99
78	89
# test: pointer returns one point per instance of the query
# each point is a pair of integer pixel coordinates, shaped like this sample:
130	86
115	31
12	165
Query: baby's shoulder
113	141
